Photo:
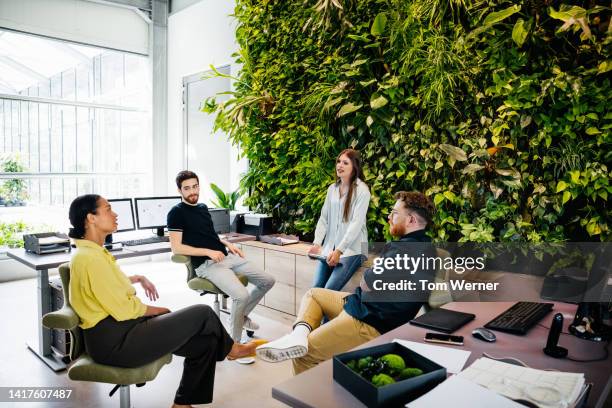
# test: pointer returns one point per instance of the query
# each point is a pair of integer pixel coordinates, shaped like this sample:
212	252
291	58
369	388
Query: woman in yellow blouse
120	330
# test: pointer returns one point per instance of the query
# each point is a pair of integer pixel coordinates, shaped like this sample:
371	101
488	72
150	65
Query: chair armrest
182	259
65	318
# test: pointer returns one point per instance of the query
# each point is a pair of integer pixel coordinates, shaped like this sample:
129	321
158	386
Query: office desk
42	264
316	387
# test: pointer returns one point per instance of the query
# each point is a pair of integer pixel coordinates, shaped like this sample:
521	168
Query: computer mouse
484	334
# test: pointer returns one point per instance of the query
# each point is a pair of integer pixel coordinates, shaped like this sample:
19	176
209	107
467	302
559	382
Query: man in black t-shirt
192	233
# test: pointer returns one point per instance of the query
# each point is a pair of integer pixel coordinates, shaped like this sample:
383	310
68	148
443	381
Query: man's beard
192	199
396	230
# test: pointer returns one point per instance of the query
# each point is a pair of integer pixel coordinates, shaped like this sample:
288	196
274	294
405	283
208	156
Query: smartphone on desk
444	339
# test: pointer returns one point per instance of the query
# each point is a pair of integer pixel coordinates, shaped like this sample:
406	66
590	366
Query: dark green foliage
499	111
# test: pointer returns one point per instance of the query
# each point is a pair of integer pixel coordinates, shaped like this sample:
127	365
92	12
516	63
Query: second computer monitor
152	212
125	213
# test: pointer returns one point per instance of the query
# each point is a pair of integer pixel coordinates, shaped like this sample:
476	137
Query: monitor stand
160	231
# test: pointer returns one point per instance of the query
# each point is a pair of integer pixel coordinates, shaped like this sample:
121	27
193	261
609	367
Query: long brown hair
355	159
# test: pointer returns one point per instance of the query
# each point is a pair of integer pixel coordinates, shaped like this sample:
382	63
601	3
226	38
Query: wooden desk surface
316	387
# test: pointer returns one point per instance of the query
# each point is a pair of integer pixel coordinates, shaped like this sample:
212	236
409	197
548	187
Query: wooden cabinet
304	277
291	268
255	255
281	265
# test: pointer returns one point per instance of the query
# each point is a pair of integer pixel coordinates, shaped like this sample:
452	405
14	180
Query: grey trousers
223	275
194	332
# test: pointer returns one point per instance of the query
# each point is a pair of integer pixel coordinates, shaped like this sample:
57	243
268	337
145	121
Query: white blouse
332	232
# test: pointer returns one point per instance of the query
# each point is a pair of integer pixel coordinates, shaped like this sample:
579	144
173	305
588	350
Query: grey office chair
83	368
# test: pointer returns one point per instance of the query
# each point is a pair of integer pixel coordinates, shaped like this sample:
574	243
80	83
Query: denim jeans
335	278
223	275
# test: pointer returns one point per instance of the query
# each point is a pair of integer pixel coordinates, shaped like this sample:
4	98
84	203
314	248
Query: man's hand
333	258
216	256
149	288
235	250
315	249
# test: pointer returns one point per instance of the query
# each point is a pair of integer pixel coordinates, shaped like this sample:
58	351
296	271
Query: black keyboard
521	317
144	241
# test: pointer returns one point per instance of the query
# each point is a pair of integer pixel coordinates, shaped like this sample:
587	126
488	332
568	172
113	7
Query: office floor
235	385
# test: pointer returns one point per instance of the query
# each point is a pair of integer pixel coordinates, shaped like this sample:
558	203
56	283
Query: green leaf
498	16
379	102
450	196
604	67
472	168
566	196
566	13
379	24
369	121
575	176
592	131
348	108
561	185
438	198
454	152
519	32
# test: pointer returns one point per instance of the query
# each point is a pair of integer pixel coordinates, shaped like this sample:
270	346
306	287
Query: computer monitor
125	218
125	213
152	212
221	219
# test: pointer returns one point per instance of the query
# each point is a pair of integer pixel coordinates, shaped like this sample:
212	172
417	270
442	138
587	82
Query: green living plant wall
499	111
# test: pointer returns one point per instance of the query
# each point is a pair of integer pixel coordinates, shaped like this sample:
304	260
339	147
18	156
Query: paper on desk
452	359
52	240
463	394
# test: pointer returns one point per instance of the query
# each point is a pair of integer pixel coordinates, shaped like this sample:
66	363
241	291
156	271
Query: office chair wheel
250	333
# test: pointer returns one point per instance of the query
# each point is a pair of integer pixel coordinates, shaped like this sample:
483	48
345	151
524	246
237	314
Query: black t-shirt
195	223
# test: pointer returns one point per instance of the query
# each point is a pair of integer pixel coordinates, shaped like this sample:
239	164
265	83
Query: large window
76	118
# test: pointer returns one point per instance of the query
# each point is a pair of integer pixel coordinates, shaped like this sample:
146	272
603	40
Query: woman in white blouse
341	234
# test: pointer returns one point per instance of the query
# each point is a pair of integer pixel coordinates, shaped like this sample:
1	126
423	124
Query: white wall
198	36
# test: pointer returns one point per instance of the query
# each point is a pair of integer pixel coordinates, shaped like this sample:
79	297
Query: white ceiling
25	60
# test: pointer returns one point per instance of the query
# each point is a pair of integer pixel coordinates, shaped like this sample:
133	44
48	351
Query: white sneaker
287	347
249	324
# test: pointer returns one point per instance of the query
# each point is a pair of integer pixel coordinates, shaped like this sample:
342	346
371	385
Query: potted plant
226	200
13	192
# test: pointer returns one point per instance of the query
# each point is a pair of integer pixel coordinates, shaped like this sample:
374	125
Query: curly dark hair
419	203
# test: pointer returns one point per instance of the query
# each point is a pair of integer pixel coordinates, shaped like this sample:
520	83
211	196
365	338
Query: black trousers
194	332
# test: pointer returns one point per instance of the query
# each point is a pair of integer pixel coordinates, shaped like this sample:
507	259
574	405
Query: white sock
301	330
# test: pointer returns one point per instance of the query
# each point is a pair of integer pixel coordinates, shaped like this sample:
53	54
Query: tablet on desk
443	320
322	258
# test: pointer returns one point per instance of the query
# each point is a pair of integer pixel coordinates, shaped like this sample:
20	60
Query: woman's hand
315	249
156	310
333	258
149	288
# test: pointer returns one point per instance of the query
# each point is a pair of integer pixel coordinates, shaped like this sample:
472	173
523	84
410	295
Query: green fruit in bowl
380	380
364	362
395	363
409	373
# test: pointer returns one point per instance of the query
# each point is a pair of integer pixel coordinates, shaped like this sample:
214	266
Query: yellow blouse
98	288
